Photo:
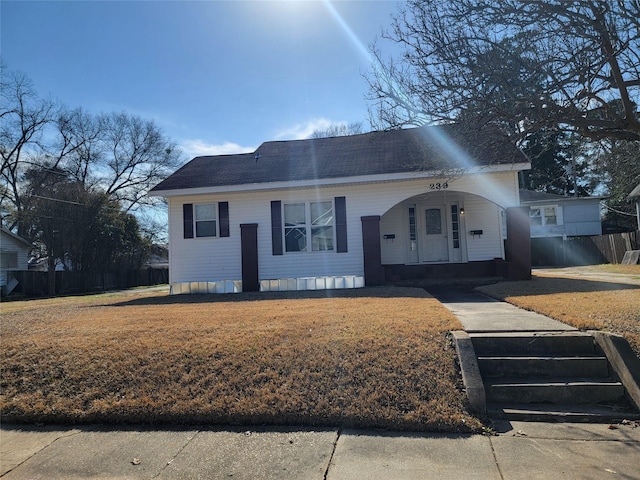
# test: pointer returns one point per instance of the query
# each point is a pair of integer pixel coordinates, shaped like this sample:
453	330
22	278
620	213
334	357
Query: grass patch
370	358
584	304
616	268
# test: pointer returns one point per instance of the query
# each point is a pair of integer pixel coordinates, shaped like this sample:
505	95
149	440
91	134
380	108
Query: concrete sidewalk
519	451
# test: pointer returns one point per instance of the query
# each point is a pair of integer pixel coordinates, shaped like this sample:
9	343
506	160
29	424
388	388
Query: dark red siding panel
187	218
373	270
518	243
276	227
249	248
341	224
223	215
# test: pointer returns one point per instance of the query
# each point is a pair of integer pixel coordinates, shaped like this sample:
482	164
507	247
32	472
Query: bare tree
137	156
115	154
23	118
338	130
80	145
527	64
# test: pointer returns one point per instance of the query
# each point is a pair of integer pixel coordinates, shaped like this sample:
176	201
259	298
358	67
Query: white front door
434	235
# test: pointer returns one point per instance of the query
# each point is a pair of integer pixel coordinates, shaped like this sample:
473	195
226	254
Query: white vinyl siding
574	217
395	223
221	260
480	214
14	255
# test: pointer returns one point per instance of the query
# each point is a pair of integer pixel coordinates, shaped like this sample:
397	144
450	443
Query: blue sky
216	76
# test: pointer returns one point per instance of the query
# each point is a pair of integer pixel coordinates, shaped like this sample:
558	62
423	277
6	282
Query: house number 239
438	186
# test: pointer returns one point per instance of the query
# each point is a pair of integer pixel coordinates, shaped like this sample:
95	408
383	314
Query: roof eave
18	238
561	199
328	182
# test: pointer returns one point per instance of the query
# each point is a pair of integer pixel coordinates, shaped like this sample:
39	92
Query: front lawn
370	358
585	304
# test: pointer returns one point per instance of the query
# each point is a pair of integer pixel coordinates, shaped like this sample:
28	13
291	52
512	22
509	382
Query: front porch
516	264
427	273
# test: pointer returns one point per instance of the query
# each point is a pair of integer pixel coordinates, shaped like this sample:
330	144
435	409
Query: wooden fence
34	284
613	245
592	250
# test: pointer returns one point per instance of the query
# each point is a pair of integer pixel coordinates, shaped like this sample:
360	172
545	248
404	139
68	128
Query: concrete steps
548	375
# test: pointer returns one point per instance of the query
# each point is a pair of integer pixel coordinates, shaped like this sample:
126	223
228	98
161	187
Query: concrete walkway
479	313
519	451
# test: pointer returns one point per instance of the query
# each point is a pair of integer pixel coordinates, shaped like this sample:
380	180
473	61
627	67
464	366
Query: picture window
309	224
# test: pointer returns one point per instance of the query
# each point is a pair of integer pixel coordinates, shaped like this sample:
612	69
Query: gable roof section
375	153
17	238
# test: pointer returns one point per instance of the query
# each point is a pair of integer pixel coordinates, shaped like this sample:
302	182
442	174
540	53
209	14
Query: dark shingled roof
375	153
531	196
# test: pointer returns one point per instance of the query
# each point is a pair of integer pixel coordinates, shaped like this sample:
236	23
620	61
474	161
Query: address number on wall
438	186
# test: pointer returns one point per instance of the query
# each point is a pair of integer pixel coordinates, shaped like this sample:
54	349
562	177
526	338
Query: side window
550	217
547	215
536	217
206	220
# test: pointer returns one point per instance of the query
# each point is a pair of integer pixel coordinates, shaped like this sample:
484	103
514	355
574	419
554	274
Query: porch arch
454	232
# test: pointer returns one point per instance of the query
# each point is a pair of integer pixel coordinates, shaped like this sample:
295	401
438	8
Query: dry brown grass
371	358
585	304
616	268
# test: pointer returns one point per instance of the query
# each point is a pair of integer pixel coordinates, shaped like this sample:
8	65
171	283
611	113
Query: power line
59	200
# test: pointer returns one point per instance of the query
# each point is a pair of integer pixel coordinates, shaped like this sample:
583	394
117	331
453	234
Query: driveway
588	273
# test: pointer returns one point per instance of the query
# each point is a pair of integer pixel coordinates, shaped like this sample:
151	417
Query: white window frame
214	218
542	215
312	243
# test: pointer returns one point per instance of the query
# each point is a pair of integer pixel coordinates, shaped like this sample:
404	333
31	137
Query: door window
433	221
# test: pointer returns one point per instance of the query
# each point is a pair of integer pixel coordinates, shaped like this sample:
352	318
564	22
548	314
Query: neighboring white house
343	212
555	221
634	196
14	256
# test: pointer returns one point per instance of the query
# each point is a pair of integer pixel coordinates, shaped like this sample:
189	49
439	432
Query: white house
14	256
555	221
347	211
634	196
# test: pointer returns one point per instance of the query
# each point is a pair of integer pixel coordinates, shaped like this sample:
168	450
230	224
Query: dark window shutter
341	224
187	217
276	227
223	216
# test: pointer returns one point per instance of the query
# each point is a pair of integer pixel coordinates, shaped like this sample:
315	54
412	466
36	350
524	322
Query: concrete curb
470	371
624	362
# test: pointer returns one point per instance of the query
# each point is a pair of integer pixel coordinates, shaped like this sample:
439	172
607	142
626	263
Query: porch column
518	244
249	248
373	271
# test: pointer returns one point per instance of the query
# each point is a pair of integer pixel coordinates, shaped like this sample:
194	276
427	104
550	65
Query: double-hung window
309	226
206	220
542	216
